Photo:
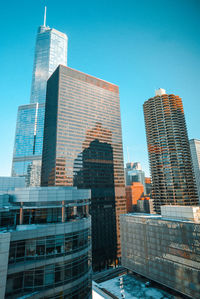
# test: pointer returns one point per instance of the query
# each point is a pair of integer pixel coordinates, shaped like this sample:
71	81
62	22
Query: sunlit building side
50	51
83	147
169	151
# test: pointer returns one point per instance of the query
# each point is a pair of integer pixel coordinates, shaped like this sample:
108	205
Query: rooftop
131	286
190	214
160	92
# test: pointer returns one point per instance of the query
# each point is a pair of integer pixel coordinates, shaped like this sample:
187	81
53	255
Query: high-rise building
83	147
169	151
50	51
45	237
134	173
195	152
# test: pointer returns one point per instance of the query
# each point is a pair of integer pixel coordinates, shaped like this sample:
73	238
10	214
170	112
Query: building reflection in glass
96	171
28	143
83	147
50	51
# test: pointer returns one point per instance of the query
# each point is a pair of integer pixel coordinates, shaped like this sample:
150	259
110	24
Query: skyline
135	67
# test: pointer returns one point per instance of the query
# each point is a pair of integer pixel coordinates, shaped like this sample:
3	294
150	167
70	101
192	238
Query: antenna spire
45	13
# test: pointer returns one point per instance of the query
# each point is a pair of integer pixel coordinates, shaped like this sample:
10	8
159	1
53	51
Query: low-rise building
129	286
164	248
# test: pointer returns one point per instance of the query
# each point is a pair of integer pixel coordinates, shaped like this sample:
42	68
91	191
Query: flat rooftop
190	214
158	217
133	288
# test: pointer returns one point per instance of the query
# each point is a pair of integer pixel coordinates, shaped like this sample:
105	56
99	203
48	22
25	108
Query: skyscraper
169	151
50	51
134	173
83	147
195	152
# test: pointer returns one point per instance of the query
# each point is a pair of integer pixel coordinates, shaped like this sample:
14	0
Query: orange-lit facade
129	199
83	148
144	197
169	152
133	193
147	180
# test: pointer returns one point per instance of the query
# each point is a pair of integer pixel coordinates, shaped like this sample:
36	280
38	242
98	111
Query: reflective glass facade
10	183
83	147
169	152
164	250
46	237
28	143
134	174
50	51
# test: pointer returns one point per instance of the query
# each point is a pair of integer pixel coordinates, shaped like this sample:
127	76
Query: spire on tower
45	12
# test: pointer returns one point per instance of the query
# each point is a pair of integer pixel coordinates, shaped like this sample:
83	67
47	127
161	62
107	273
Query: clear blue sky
140	45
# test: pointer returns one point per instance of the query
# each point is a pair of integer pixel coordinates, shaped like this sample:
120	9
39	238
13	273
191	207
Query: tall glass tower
83	148
50	51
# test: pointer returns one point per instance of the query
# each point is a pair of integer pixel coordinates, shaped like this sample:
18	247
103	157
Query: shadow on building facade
94	169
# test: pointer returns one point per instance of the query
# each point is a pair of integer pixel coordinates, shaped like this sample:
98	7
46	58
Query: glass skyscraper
169	151
134	173
50	51
83	147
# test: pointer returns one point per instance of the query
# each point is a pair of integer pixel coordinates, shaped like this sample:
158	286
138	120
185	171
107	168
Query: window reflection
48	246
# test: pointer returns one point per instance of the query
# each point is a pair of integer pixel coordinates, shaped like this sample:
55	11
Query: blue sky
140	45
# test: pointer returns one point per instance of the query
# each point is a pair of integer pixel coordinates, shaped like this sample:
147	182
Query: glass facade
50	51
46	234
169	152
28	143
195	152
83	147
134	175
10	183
48	246
164	250
56	274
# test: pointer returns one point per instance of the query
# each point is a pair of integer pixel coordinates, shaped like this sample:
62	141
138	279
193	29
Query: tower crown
160	92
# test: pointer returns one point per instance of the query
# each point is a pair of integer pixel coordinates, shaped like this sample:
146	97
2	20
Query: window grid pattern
163	250
48	276
50	51
169	152
83	127
48	247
